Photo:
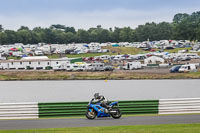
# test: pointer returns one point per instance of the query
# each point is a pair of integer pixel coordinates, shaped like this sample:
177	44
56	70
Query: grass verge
121	75
170	128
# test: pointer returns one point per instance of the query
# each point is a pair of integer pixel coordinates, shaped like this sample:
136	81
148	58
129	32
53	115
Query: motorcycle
96	110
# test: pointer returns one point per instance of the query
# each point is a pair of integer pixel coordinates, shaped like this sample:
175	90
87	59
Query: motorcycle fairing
99	109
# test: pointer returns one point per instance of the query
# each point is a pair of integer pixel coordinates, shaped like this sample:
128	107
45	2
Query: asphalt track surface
83	122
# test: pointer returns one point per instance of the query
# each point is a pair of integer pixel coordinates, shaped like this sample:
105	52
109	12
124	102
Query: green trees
23	35
82	36
126	34
153	31
184	27
1	28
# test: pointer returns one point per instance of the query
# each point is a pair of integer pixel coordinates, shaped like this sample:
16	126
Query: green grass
50	75
170	128
79	55
88	55
13	58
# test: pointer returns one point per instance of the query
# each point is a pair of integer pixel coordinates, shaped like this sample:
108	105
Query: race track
83	122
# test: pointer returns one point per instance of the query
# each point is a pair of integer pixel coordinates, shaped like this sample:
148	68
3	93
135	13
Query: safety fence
139	107
62	109
179	106
70	109
79	108
18	110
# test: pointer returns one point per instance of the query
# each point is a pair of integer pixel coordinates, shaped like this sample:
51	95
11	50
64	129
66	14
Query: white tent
153	60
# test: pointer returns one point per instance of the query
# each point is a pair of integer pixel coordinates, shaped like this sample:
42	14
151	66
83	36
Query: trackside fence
18	110
139	107
79	108
70	109
62	109
179	106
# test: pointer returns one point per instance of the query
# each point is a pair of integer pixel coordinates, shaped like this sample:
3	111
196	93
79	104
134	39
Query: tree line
184	27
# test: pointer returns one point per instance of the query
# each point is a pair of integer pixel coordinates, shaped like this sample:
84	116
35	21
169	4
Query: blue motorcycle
96	110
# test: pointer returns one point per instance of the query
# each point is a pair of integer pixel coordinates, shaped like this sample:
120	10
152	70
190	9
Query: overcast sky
90	13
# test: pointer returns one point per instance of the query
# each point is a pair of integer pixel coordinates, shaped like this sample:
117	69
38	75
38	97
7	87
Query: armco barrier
79	108
179	106
42	110
18	110
62	109
139	107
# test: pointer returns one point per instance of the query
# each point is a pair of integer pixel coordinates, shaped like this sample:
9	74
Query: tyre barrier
70	109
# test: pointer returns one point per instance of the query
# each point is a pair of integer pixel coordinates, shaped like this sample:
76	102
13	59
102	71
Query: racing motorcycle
96	110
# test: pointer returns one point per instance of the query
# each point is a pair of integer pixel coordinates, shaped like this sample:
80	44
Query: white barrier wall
18	110
179	106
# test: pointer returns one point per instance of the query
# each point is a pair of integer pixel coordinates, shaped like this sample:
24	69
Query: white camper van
88	67
105	57
132	65
72	67
98	67
188	68
38	52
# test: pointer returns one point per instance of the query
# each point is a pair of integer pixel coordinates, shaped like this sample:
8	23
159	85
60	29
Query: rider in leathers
101	99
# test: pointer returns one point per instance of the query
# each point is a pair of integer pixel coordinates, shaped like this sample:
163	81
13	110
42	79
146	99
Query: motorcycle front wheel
91	115
117	114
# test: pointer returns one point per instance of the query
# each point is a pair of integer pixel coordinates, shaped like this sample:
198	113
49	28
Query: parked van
98	67
188	68
132	65
72	67
39	53
88	67
105	57
81	67
58	67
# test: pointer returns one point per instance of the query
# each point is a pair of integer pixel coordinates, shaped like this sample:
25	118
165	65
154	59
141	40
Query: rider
101	99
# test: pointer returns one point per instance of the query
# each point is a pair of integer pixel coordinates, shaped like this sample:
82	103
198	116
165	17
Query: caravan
188	68
132	66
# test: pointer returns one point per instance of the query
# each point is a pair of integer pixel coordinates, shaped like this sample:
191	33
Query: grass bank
116	75
173	128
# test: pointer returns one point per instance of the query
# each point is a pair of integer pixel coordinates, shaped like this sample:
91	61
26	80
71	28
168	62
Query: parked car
182	58
175	69
108	68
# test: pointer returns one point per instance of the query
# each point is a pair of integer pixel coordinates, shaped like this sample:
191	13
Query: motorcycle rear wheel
116	115
90	115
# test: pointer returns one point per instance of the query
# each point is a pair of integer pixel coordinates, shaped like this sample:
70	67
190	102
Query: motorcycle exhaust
113	111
